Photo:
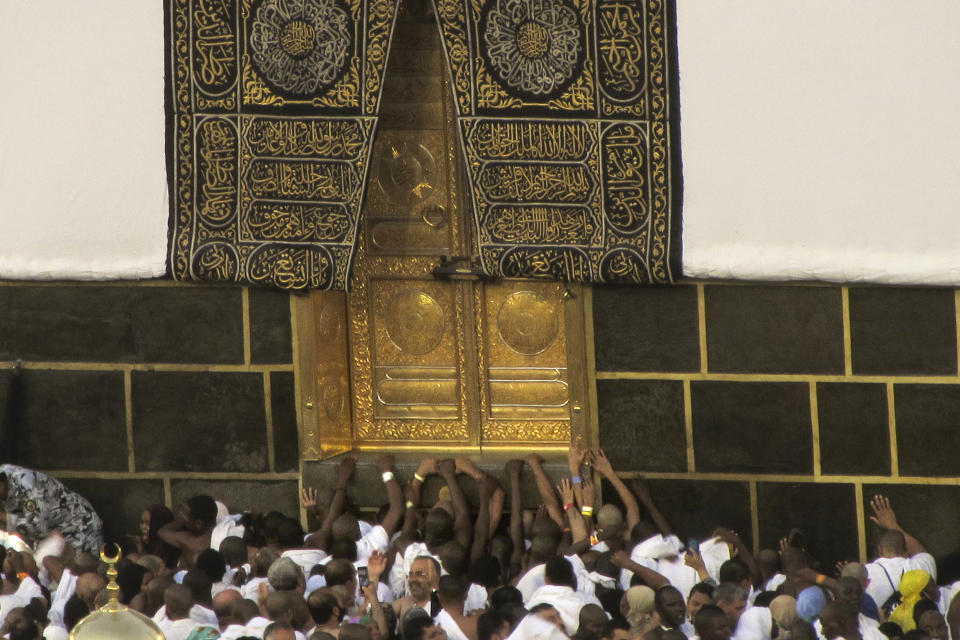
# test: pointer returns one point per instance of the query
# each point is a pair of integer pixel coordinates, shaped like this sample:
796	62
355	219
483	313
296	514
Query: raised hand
566	491
534	460
447	467
427	467
376	565
308	498
576	454
513	467
600	462
694	560
883	514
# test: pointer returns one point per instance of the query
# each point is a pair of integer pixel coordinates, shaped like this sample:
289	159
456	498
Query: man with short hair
190	531
592	621
839	620
177	600
560	591
326	611
452	594
732	600
286	575
712	623
279	631
669	605
423	628
493	625
897	551
701	594
423	579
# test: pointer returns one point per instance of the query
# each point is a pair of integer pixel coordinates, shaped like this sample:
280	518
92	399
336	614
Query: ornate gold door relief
407	360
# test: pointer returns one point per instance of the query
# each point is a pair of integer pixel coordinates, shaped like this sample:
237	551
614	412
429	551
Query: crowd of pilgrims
564	568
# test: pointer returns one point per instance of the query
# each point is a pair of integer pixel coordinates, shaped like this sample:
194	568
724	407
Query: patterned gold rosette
564	110
273	112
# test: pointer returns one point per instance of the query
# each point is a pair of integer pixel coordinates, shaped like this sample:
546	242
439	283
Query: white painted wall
83	190
821	139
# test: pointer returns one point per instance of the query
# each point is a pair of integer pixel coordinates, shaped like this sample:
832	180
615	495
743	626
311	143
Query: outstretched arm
481	528
514	467
602	464
642	490
650	577
411	520
575	457
462	528
578	529
884	516
547	495
321	538
395	494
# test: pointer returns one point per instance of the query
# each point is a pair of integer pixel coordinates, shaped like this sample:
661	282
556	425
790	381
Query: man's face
697	600
435	632
422	579
145	525
719	630
850	592
672	608
933	624
553	617
733	609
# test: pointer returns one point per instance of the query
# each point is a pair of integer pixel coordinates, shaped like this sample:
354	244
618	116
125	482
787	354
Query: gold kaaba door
411	360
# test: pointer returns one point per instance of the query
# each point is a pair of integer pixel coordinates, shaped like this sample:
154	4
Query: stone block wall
761	407
135	393
767	407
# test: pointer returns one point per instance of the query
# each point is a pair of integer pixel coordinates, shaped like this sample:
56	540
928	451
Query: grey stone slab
199	421
826	514
646	328
121	324
854	428
753	427
71	420
903	331
283	404
642	424
774	329
271	335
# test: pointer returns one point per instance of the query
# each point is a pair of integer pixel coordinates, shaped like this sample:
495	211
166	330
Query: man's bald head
88	586
838	619
178	599
891	544
223	605
280	606
855	570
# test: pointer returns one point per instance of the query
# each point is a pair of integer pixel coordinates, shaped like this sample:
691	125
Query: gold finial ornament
115	621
